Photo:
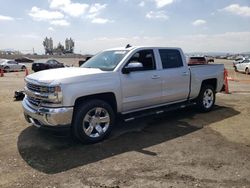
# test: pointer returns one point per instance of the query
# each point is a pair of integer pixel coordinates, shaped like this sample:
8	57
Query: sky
194	25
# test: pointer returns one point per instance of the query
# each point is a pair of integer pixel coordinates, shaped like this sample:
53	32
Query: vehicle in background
11	65
243	66
81	62
197	60
24	59
209	59
131	82
238	60
46	64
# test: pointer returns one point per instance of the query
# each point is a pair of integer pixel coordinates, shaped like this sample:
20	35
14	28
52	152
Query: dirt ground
183	148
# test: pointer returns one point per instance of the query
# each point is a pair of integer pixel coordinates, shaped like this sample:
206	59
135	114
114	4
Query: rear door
175	76
141	88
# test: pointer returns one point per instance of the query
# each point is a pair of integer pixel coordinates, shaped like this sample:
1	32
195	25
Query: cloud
6	18
29	36
163	3
157	15
96	8
72	9
94	12
142	4
199	22
237	9
101	21
60	22
44	15
51	29
56	4
235	42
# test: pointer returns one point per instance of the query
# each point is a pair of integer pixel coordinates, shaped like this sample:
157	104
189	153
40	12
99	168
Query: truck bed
204	72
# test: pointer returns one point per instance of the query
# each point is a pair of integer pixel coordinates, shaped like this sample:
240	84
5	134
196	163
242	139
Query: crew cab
130	82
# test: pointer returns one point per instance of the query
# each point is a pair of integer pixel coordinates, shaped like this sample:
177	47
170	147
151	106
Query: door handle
185	74
155	77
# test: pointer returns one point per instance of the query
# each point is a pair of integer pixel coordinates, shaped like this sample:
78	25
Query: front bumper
44	116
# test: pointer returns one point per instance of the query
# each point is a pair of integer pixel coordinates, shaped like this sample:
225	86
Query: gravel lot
179	149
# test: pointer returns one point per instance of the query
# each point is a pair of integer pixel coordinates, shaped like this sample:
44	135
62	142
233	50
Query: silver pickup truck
131	82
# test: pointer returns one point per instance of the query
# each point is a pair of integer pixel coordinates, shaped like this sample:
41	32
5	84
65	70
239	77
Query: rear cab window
170	58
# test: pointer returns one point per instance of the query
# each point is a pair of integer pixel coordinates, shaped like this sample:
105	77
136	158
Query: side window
12	62
51	62
170	58
146	57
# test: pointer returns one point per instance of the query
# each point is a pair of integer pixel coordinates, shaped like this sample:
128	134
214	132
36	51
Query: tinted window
12	62
170	58
198	58
146	57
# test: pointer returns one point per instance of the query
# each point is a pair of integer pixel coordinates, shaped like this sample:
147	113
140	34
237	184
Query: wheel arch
108	97
212	82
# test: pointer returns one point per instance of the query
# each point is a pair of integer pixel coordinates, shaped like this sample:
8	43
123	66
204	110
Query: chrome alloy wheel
96	122
208	98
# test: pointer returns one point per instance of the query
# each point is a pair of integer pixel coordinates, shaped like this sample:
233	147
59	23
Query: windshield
106	61
3	60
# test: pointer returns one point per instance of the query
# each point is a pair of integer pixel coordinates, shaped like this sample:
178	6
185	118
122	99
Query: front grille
37	102
40	89
34	101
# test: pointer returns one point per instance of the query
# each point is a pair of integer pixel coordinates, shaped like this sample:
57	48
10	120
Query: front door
141	88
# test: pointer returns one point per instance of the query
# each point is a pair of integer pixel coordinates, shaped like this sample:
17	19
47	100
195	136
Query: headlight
56	95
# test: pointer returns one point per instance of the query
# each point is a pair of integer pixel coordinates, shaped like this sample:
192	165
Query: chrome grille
34	101
40	89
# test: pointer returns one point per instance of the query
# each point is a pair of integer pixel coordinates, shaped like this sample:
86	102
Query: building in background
48	46
69	45
60	49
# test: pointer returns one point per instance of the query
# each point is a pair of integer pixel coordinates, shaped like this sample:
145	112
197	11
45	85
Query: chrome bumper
47	116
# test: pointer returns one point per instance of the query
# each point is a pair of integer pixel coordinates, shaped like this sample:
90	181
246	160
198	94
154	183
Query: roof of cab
137	47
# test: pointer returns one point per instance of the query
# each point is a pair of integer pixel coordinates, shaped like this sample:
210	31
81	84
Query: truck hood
60	74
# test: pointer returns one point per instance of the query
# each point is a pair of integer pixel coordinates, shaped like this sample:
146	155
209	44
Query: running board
156	111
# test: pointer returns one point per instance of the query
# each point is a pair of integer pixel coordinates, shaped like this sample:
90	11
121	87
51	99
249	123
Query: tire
247	71
6	69
206	98
23	68
235	69
86	126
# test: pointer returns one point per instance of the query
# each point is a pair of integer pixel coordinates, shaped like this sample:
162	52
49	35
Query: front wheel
6	69
206	98
93	121
235	69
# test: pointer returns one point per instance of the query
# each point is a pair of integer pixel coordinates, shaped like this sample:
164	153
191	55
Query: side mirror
132	66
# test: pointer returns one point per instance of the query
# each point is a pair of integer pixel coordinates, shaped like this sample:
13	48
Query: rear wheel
23	68
206	98
93	121
247	71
